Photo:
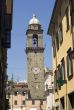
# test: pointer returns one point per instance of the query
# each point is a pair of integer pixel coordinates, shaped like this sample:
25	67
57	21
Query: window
33	102
15	102
71	11
62	103
35	41
60	34
23	102
69	64
71	14
60	76
57	108
59	12
72	4
23	93
71	101
54	48
67	18
55	80
63	68
57	41
15	93
41	102
6	41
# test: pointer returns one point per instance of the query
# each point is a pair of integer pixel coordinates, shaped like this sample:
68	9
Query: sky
22	13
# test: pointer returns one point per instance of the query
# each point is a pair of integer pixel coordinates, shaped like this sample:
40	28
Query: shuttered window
60	34
63	68
62	103
69	64
60	76
15	102
67	19
55	80
57	41
23	102
54	48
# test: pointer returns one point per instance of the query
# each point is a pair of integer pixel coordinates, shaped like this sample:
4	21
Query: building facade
6	7
35	104
61	28
49	89
17	94
35	61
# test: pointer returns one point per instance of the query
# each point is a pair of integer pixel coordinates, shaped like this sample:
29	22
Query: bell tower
35	59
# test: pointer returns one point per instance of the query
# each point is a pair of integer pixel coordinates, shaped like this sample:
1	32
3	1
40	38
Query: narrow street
37	55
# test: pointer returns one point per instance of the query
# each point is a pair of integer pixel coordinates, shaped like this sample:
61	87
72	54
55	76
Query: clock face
36	70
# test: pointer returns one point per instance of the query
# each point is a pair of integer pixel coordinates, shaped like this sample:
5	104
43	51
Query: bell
34	42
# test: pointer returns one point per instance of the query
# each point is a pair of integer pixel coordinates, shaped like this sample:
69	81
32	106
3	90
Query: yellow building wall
62	52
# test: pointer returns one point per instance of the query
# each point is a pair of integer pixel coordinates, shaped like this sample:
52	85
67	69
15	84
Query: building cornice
58	12
31	49
30	31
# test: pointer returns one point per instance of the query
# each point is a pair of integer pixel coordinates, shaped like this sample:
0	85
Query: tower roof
34	20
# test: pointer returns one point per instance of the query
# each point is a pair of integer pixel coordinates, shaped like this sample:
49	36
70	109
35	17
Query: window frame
60	76
15	93
63	68
60	33
67	19
23	102
54	47
62	103
35	40
23	93
69	64
33	102
15	102
55	80
57	41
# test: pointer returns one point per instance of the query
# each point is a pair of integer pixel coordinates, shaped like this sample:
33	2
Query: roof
55	14
18	86
34	20
47	71
52	16
21	84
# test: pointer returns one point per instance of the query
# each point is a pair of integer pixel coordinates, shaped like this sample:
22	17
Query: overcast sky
22	13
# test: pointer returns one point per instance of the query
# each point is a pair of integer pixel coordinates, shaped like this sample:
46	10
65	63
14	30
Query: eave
57	15
49	27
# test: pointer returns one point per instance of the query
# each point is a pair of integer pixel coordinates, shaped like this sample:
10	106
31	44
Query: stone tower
35	59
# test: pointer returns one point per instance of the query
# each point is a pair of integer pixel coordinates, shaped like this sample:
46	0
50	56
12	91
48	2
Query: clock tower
35	59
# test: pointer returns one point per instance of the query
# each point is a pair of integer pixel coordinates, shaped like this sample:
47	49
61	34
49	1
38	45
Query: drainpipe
72	20
72	15
73	28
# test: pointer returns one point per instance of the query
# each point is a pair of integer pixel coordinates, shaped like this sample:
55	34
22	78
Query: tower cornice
30	31
31	49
